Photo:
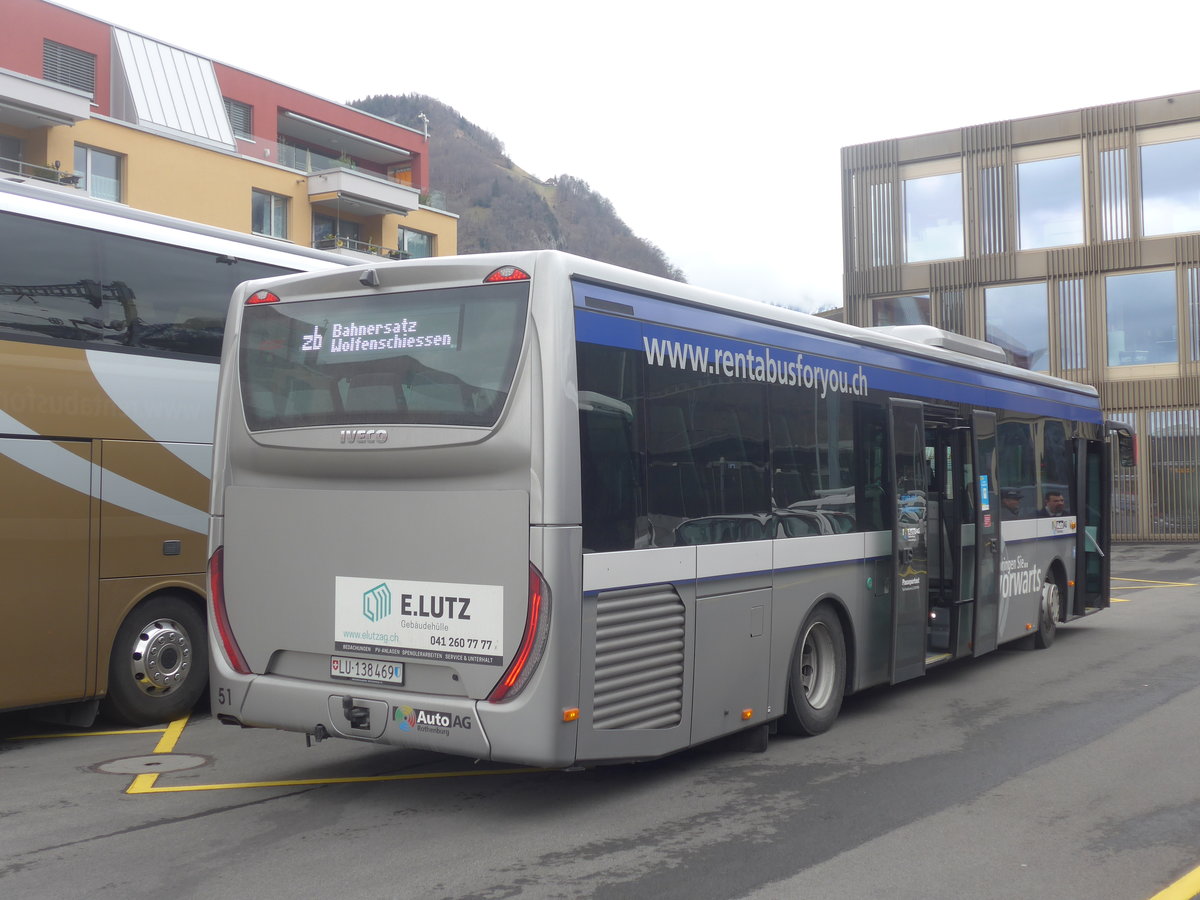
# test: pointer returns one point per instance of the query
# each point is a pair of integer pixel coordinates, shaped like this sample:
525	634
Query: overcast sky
714	129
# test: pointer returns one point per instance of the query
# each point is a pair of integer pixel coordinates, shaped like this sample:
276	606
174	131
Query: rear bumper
363	712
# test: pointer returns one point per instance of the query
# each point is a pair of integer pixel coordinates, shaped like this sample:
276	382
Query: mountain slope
502	207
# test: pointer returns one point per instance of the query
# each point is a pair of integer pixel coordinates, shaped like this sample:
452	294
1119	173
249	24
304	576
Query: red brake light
537	629
216	598
507	273
261	297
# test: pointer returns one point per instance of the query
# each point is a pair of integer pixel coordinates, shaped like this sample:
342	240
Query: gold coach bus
111	323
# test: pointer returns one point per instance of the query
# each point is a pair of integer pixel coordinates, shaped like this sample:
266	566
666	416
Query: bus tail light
533	642
216	594
506	273
261	297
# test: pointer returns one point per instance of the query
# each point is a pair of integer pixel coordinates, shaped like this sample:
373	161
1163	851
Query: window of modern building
1142	323
10	154
1193	295
268	214
1050	202
1171	187
241	118
329	231
901	310
933	217
1017	320
67	65
99	172
414	244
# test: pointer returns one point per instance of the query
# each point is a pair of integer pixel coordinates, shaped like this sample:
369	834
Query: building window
10	154
1050	202
268	214
66	65
933	218
1171	187
1017	321
330	232
1141	318
241	118
414	244
1193	292
901	311
99	172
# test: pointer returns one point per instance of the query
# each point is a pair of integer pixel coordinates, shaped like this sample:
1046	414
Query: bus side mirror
1126	449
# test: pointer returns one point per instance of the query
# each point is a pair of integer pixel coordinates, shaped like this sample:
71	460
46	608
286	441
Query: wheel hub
161	657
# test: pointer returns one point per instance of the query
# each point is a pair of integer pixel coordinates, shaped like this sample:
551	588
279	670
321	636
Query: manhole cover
158	762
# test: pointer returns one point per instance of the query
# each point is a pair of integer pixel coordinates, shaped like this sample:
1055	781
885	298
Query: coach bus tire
159	664
1051	608
817	675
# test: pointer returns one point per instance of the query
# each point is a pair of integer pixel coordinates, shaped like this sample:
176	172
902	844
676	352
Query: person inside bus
1010	502
1056	505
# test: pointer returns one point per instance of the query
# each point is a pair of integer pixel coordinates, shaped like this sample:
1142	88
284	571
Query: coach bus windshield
444	357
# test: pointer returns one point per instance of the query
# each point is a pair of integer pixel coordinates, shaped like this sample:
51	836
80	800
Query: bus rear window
439	357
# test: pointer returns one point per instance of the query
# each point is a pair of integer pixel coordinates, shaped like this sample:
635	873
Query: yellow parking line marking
1147	581
147	783
148	787
1185	888
143	784
1119	599
78	734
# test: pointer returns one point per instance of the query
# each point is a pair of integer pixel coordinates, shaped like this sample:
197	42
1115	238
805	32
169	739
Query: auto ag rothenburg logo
377	603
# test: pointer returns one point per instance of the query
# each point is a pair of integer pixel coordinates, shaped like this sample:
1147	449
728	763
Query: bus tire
1048	612
159	663
817	674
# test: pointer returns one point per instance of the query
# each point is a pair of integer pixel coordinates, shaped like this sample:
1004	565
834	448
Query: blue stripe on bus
886	370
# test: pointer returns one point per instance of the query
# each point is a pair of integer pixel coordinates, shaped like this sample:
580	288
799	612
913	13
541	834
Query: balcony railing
49	174
338	243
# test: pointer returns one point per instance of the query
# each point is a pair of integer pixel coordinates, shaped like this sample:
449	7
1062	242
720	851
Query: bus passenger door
910	551
1092	572
987	534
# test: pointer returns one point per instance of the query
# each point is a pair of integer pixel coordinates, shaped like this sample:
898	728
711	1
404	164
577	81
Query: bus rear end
374	573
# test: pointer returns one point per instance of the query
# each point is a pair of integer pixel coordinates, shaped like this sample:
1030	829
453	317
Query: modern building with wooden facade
1073	241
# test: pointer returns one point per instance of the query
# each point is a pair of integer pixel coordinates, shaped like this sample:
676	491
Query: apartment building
1073	241
88	106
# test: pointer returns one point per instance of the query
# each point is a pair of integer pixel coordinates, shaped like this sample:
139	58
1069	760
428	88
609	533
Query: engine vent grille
639	659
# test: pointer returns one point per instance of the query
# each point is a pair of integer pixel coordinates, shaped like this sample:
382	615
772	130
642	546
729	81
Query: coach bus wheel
159	663
817	676
1048	615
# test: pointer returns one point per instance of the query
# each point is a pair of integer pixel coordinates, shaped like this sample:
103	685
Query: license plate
366	669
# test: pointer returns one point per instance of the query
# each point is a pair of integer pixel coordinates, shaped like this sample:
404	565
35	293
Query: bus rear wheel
817	676
1048	614
159	663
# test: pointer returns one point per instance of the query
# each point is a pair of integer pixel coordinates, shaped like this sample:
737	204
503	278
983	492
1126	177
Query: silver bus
535	508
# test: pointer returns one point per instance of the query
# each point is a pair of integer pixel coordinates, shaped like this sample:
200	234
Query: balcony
46	176
33	103
353	191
